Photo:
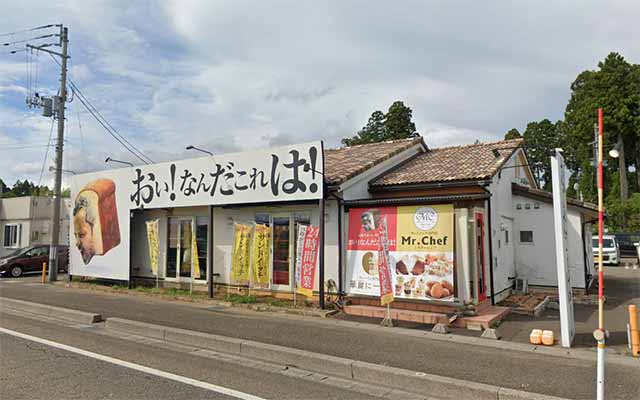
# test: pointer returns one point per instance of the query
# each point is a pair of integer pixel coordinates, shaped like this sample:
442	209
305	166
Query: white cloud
232	75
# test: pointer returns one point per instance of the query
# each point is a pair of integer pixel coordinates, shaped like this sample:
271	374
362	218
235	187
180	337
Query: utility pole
55	233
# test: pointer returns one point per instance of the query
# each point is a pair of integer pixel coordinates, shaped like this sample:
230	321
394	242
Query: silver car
610	249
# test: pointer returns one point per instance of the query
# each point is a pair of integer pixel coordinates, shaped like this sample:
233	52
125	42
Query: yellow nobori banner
261	246
154	247
241	257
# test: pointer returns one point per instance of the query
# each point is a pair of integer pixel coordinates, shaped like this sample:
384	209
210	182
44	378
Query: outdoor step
485	318
423	317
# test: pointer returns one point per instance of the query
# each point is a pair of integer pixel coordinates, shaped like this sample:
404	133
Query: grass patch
241	299
280	303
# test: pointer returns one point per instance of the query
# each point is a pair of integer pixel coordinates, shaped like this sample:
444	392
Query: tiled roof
346	162
456	163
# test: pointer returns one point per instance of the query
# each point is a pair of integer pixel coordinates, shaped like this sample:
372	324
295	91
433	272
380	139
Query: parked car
29	260
627	243
610	249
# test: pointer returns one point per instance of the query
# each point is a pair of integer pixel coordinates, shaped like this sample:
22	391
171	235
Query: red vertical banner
384	270
308	257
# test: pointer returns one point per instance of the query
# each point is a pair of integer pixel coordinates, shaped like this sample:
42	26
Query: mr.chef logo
425	218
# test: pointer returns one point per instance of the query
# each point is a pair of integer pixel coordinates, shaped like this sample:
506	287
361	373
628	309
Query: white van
610	249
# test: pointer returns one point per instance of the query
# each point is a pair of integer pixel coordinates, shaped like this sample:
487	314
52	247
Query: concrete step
66	314
423	317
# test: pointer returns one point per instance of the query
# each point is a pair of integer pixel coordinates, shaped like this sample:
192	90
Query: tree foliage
541	139
512	134
614	87
28	188
396	123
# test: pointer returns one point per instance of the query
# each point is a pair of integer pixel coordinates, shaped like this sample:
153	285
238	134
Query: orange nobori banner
420	257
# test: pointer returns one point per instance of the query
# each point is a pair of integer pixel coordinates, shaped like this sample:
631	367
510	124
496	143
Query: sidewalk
518	370
621	288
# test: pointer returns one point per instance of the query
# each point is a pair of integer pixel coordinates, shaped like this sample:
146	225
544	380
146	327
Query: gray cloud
228	76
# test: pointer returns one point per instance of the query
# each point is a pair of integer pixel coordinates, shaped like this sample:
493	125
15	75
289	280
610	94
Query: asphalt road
559	376
30	370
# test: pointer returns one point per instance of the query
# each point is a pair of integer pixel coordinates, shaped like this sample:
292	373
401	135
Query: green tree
512	134
398	122
374	131
614	87
541	138
23	188
395	124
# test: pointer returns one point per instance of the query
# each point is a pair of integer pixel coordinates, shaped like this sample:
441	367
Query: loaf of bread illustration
95	219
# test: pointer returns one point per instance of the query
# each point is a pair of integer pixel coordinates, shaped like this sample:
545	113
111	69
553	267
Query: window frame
12	240
520	232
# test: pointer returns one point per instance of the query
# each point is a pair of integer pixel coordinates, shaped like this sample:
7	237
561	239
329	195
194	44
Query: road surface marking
137	367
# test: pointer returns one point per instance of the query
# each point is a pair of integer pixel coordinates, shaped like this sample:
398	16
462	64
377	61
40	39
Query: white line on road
137	367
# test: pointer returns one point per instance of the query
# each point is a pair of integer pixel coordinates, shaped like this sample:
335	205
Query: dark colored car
29	260
626	242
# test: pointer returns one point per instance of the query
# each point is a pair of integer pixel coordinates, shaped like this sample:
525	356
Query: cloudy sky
232	75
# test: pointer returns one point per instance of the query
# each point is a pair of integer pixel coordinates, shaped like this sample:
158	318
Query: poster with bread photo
420	251
99	241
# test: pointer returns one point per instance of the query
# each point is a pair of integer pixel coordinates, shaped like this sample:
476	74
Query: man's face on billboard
367	221
83	232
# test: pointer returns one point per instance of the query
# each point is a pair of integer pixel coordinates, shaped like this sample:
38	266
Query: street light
109	159
52	168
615	151
190	147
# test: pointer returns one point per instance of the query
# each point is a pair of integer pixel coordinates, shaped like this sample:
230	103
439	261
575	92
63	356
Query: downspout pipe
584	253
490	227
340	202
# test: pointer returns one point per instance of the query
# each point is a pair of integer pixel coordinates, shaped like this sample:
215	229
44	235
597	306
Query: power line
106	125
29	30
46	153
30	39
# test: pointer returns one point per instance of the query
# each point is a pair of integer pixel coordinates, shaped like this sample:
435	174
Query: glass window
606	243
12	235
281	253
202	234
185	248
172	248
526	236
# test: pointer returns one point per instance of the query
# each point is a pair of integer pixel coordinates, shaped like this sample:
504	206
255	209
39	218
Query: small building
449	216
26	221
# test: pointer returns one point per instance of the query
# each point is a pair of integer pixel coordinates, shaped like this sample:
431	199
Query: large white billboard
102	200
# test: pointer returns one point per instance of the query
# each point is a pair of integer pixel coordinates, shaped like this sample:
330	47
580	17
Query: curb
80	317
396	378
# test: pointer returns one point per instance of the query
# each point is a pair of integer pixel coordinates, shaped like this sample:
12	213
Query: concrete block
136	328
315	362
203	340
65	314
440	328
491	333
511	394
425	383
474	326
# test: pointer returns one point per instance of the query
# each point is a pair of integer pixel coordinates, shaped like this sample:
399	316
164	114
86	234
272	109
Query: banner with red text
421	252
308	257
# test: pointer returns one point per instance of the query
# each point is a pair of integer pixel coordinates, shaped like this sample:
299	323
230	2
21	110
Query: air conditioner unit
522	285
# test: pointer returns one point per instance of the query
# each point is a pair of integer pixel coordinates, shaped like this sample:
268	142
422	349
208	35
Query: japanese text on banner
308	260
240	260
260	256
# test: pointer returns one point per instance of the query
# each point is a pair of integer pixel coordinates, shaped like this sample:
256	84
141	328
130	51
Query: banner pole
600	333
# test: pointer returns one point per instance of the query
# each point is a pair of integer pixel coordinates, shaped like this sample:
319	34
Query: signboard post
558	174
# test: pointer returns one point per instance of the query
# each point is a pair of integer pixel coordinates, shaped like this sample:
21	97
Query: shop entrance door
179	249
282	251
480	263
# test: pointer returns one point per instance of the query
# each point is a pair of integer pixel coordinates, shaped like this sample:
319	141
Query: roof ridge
412	139
459	146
